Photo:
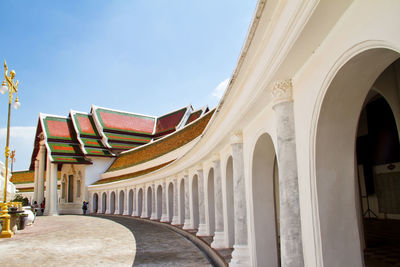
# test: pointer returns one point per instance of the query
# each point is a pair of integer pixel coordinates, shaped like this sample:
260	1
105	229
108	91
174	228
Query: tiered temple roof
104	132
61	140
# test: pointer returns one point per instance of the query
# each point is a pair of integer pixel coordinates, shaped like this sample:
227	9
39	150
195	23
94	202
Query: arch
121	201
130	202
170	201
63	187
78	185
112	202
182	201
265	197
139	202
104	202
70	195
159	201
335	174
230	227
195	201
149	201
95	202
211	202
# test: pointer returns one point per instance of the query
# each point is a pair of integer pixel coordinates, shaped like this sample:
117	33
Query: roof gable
113	120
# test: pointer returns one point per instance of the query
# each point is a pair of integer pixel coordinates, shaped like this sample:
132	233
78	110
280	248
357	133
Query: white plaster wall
353	27
357	30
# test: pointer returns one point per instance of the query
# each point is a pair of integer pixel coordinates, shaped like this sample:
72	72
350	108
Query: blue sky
149	57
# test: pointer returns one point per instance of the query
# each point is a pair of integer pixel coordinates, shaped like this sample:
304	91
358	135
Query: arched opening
63	187
139	202
121	205
230	229
95	202
211	203
170	201
265	194
182	201
337	175
112	202
159	202
70	188
195	201
149	201
78	185
104	203
130	202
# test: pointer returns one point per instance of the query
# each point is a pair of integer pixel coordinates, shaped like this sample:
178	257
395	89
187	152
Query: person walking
84	207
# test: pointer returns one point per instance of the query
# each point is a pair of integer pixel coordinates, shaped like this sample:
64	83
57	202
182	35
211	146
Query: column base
53	213
153	216
144	215
134	214
240	256
108	212
175	220
219	240
164	218
202	230
187	224
125	212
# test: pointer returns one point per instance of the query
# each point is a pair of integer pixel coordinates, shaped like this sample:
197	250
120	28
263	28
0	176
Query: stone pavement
71	240
159	246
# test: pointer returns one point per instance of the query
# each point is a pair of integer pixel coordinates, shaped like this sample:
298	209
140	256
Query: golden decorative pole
8	84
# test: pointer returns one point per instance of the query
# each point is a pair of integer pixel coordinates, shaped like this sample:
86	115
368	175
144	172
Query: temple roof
170	122
61	140
25	177
161	146
88	136
104	132
196	114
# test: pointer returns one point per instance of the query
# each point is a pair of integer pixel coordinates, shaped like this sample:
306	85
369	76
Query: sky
149	57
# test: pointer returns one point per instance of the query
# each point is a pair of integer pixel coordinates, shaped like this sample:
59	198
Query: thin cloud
21	140
220	89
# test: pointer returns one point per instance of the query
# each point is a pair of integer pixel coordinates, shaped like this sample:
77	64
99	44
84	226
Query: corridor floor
71	240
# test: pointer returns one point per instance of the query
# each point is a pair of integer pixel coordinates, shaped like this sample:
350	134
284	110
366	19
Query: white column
144	203
42	158
116	202
290	222
108	200
202	211
164	212
134	204
188	222
126	198
53	197
176	212
46	209
219	236
153	203
35	184
241	253
100	207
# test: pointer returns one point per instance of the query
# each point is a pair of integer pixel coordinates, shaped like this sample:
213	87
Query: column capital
282	91
215	157
236	137
199	167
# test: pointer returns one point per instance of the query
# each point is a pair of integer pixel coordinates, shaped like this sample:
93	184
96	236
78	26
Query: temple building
298	165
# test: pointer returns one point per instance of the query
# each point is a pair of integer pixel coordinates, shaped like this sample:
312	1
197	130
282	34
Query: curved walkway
159	246
71	240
